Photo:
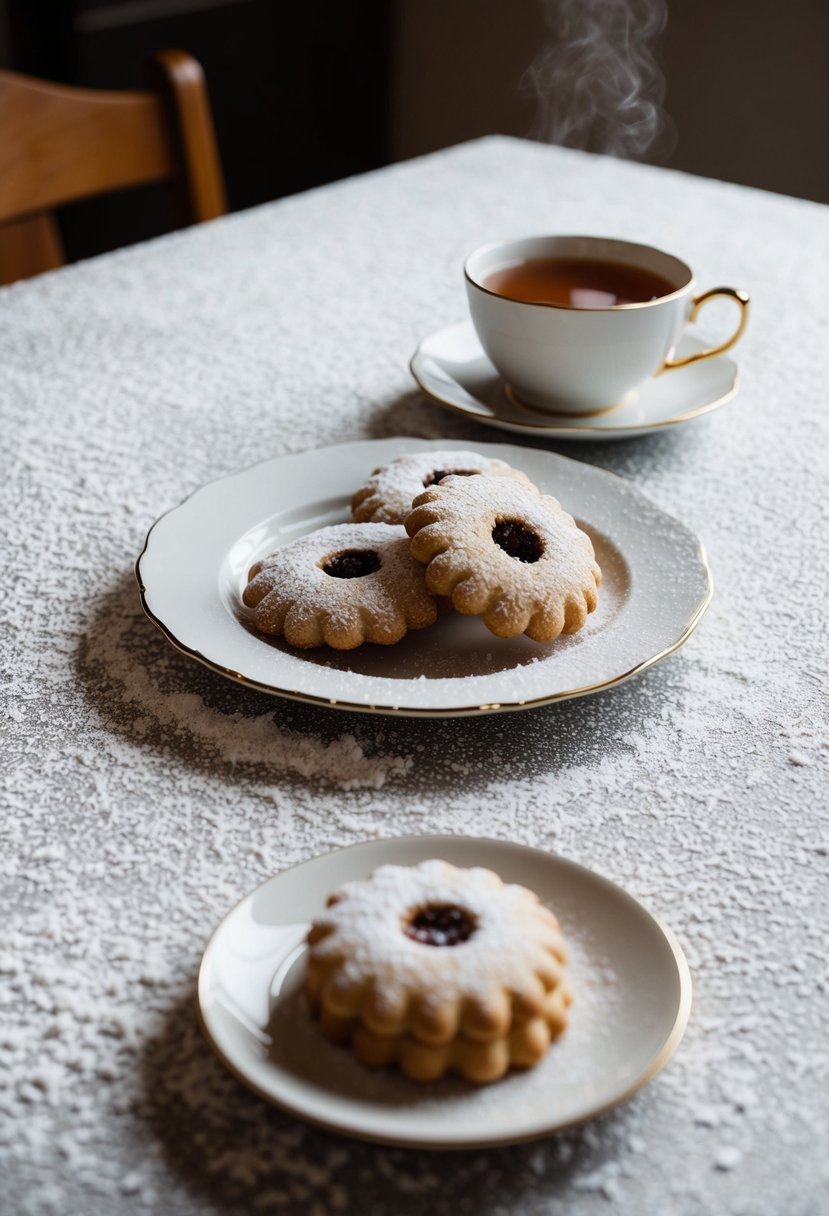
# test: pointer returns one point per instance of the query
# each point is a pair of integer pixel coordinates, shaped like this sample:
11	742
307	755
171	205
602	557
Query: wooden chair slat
60	144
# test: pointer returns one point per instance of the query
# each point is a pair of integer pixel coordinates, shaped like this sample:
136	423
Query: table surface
143	795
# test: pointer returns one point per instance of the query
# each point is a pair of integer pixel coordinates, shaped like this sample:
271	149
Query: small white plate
451	367
655	587
632	997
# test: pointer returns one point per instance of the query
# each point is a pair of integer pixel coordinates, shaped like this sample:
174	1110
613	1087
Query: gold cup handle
741	299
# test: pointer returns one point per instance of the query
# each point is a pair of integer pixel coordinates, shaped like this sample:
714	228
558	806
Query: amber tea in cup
577	283
574	324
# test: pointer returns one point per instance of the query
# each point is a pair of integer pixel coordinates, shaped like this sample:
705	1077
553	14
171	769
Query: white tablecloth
142	795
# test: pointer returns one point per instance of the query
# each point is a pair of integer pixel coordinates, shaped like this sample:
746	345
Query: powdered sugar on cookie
505	552
438	967
341	586
387	495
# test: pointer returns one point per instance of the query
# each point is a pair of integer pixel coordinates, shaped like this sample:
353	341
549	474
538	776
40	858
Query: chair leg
180	80
29	246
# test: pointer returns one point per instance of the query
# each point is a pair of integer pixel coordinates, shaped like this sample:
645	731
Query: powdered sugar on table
143	795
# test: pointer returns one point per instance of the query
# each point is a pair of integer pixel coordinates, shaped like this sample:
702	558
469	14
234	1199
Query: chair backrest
59	144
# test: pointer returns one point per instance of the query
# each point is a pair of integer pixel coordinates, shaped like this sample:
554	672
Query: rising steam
598	83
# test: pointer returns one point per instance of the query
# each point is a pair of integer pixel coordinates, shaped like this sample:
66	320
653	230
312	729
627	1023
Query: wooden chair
59	144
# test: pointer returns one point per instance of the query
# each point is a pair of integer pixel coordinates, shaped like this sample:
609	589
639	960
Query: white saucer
451	367
655	587
632	997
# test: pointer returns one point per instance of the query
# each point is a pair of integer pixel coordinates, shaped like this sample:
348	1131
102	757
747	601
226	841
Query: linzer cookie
386	496
436	968
341	586
505	552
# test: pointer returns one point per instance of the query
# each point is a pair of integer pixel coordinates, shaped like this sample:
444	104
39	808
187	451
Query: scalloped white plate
655	587
631	985
450	366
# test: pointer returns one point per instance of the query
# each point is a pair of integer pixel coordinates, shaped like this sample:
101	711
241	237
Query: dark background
304	93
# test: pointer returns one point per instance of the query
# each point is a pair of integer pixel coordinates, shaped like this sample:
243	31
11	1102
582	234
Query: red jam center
518	540
352	563
439	474
441	925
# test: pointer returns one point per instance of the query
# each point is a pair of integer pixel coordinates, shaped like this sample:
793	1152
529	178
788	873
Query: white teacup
582	360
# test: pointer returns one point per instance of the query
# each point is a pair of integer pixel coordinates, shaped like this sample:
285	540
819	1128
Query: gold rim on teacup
491	246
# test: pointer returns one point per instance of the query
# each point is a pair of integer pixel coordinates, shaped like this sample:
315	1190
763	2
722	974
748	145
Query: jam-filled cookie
436	968
341	586
387	495
505	552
